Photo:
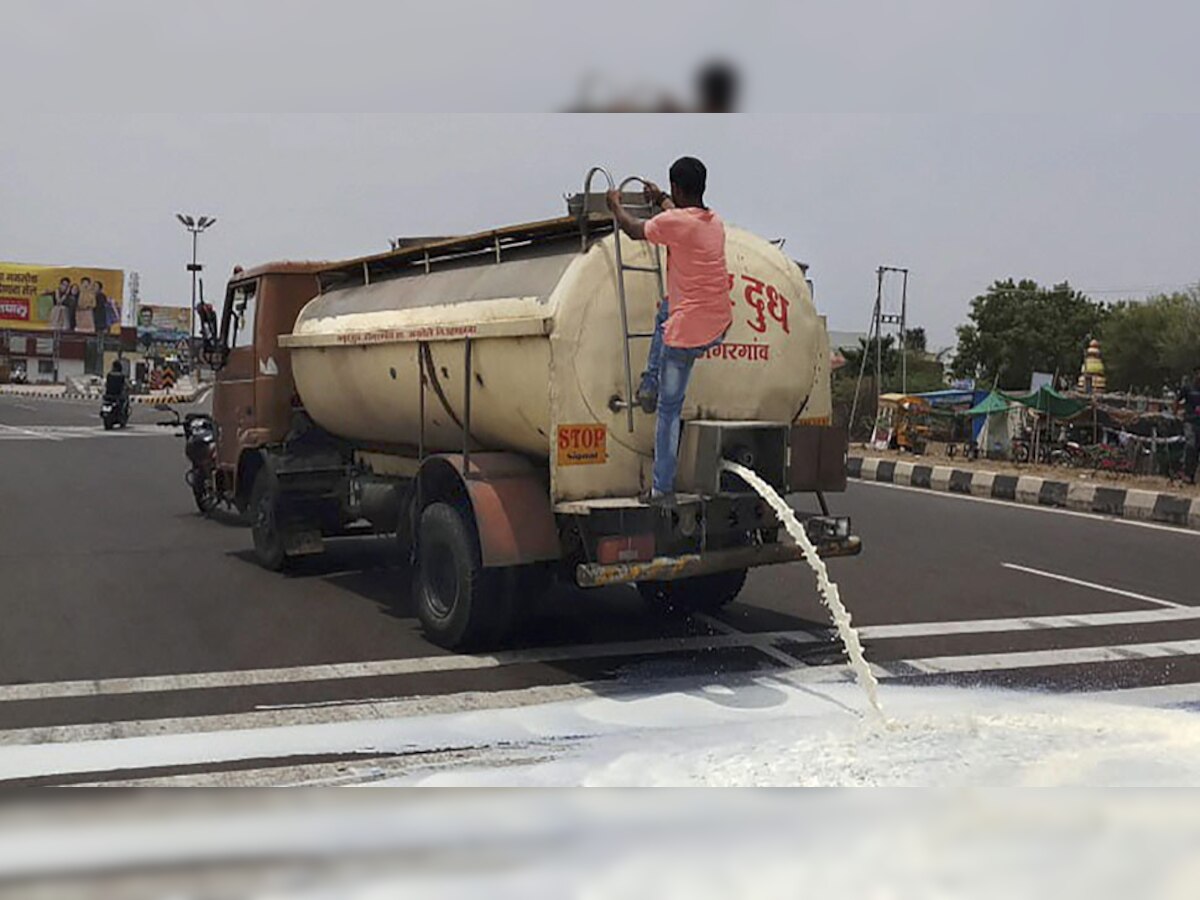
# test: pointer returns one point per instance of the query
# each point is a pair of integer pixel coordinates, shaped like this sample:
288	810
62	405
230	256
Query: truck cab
254	396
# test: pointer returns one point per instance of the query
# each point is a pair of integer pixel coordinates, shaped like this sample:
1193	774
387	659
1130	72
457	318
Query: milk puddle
827	589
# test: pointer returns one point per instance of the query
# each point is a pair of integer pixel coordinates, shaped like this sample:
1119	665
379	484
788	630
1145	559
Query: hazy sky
1109	202
965	139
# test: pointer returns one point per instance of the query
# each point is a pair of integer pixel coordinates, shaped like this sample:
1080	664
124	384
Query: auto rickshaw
904	422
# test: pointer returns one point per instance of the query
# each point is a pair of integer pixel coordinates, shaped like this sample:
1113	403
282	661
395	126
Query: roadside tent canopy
992	430
1047	400
995	402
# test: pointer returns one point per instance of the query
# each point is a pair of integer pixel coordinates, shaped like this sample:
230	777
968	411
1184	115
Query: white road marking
1050	510
68	432
763	647
252	723
10	431
375	668
729	637
397	726
1029	623
1096	587
994	662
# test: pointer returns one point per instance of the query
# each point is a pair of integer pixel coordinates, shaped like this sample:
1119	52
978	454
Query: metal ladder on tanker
617	403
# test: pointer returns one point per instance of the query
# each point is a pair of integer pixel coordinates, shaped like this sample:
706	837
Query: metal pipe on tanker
467	406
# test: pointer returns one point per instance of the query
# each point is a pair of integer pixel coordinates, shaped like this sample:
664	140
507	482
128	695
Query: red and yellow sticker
582	445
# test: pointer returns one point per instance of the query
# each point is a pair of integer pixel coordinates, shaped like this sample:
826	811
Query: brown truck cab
254	399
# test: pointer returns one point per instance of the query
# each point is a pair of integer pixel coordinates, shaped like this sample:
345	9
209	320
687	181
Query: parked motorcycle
200	447
114	411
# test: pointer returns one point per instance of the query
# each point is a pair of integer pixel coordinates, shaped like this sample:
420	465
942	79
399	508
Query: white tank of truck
537	313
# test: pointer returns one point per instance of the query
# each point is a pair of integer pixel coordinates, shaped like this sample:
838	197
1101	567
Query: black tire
460	604
264	523
704	593
108	423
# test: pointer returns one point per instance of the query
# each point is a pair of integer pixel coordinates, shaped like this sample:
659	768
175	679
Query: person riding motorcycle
116	388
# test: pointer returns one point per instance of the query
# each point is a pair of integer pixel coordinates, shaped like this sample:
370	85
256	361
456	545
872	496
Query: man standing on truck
695	314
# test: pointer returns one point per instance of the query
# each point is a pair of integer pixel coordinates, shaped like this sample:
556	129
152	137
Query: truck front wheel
704	593
460	603
264	521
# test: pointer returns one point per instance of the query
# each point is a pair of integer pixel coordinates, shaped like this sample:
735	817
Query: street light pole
195	226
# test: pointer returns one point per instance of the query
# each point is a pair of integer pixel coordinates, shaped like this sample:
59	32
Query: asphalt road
108	573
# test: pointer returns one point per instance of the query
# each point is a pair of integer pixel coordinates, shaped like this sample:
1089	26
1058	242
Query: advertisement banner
70	299
164	322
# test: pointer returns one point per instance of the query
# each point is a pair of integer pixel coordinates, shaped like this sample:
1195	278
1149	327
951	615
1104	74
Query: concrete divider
1033	490
1081	497
1140	504
981	483
59	392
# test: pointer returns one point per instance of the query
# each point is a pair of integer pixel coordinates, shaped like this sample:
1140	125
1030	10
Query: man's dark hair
691	176
85	278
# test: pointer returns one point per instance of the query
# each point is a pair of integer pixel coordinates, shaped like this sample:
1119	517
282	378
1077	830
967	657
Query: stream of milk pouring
827	589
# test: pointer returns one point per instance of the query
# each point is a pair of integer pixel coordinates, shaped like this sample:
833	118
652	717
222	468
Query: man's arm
635	228
656	197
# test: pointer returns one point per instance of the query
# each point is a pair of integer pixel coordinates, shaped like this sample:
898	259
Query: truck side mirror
211	348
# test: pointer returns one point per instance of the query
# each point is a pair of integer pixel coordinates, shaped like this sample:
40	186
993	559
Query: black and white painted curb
79	395
1079	496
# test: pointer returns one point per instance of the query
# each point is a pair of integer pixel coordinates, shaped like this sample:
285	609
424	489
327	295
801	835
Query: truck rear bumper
670	568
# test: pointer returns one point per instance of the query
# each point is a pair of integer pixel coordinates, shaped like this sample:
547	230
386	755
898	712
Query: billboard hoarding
69	299
163	326
169	321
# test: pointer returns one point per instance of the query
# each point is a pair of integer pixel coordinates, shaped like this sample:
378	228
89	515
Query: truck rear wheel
264	521
704	593
459	602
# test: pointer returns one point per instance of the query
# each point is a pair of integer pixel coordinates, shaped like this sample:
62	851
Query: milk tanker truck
471	396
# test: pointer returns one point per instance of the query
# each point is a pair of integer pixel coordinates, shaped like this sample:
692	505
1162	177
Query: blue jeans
668	370
654	359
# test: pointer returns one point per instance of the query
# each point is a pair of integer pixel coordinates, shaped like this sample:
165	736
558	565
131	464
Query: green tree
915	340
1152	343
1018	328
923	375
890	356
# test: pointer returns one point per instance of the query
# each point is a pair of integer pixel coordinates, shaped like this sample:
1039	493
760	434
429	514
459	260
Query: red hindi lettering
753	296
777	306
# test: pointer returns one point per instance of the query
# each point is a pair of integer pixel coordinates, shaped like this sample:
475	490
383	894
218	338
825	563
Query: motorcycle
114	411
200	447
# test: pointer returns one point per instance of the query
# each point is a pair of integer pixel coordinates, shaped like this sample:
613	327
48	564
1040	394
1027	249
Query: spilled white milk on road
825	586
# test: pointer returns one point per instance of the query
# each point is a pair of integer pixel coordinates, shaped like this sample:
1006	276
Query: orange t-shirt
697	279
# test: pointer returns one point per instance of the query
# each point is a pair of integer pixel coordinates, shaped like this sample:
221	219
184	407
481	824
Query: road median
1033	490
62	392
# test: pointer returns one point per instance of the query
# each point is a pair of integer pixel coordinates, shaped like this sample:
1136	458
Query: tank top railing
618	403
